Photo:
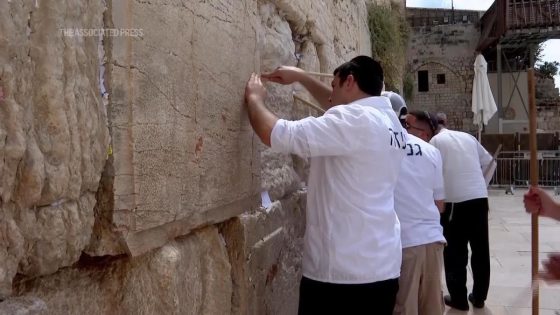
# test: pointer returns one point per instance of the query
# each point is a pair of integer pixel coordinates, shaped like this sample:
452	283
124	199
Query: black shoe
476	303
459	306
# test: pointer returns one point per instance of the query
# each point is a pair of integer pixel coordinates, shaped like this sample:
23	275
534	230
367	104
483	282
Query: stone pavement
510	251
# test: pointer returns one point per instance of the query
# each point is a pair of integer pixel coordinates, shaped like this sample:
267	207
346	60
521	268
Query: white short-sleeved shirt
464	160
352	231
420	183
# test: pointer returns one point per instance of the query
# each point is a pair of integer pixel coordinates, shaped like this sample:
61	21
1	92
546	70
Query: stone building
548	103
440	56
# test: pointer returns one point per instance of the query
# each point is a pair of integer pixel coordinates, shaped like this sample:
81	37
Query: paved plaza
510	250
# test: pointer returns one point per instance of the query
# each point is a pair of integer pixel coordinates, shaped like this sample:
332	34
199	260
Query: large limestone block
190	275
183	152
265	249
23	306
53	134
182	146
338	29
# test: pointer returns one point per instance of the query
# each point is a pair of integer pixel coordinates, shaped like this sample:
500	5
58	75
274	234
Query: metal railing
513	169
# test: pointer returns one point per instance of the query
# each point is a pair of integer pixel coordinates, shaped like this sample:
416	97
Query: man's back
420	183
465	220
352	232
463	162
352	251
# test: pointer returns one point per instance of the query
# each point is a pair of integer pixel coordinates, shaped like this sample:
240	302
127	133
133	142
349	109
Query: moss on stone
389	37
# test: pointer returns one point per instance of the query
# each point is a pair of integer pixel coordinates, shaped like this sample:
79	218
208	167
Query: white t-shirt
352	231
420	183
464	160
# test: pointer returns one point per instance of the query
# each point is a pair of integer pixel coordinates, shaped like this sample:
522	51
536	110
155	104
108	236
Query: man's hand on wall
261	118
255	91
284	75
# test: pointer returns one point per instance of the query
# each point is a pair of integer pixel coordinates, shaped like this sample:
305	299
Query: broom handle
534	179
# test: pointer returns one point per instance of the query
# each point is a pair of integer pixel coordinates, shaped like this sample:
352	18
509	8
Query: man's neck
358	96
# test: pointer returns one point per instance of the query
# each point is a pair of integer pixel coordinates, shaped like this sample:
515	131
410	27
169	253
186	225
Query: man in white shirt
465	220
419	197
352	248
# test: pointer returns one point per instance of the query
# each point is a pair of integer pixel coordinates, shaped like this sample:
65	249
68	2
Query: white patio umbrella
483	105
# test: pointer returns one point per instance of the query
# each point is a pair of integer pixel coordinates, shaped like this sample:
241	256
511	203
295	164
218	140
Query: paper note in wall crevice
265	199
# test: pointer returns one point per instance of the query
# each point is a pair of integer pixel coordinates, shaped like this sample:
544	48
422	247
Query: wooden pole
319	74
308	103
534	182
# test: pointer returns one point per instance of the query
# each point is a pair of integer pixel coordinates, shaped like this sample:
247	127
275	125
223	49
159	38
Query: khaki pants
420	281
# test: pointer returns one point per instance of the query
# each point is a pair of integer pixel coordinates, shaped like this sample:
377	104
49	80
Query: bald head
442	120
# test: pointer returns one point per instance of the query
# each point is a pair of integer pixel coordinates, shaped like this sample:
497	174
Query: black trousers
317	297
466	223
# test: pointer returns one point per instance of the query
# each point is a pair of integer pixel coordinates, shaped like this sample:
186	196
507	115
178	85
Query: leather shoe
476	303
451	303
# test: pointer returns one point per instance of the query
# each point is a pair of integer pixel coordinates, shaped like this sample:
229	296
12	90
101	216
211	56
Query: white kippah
397	102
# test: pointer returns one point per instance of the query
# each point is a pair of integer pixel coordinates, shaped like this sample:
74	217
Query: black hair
367	72
427	118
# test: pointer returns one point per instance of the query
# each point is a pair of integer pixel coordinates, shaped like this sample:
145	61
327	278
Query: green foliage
549	69
408	87
389	37
539	52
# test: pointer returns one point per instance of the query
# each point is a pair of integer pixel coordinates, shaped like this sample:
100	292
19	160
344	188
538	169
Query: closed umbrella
483	105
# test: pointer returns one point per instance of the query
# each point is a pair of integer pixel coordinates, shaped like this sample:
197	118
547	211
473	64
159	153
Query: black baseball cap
427	117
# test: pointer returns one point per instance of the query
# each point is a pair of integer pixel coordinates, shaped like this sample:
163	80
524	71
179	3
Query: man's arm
262	119
487	163
288	75
335	133
538	201
440	205
319	90
439	190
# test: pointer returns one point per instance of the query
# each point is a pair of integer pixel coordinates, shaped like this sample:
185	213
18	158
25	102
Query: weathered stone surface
182	154
265	250
190	275
181	142
53	134
168	126
548	103
56	235
23	306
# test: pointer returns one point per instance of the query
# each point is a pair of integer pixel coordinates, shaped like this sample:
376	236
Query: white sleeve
490	173
483	156
439	190
487	163
433	142
334	133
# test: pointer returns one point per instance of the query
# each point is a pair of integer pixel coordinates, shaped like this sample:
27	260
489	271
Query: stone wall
548	118
447	51
548	103
53	135
130	176
546	91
